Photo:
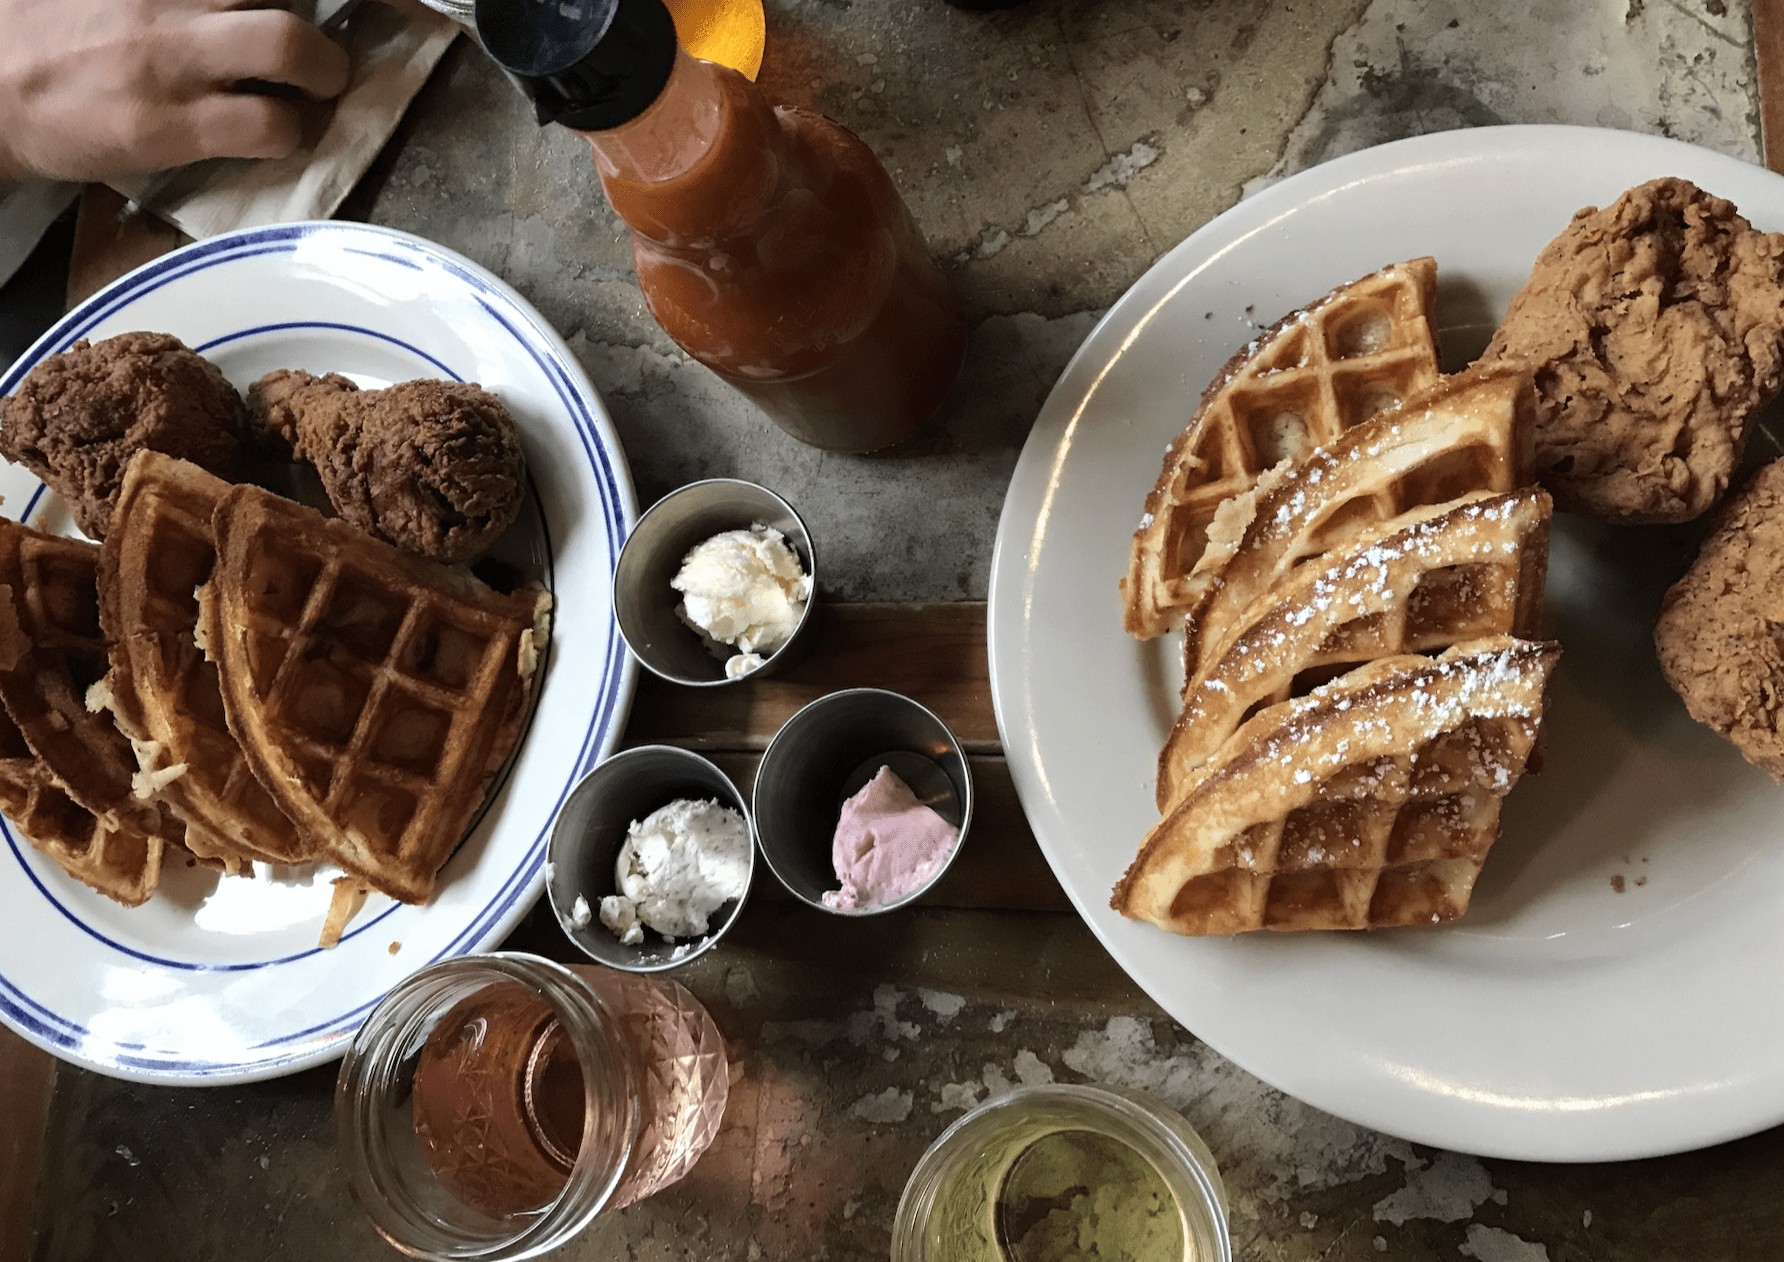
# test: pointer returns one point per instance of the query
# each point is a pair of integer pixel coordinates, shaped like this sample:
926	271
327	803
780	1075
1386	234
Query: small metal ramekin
644	603
590	829
823	755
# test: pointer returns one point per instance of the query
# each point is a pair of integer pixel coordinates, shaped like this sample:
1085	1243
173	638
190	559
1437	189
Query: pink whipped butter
887	844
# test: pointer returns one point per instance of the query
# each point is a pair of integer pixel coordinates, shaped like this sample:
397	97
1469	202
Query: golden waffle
161	688
1360	350
120	863
1372	801
376	695
1470	432
1428	579
54	582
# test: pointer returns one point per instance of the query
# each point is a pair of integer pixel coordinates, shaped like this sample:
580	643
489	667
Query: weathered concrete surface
843	1076
1683	70
1050	153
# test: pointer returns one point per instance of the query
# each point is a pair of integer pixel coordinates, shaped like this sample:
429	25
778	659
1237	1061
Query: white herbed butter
677	867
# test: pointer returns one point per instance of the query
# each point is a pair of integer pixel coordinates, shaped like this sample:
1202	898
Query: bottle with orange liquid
769	241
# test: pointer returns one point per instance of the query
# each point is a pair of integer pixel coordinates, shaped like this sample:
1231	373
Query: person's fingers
272	46
165	8
242	125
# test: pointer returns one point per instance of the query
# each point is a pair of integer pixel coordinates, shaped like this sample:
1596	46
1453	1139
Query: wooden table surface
855	1042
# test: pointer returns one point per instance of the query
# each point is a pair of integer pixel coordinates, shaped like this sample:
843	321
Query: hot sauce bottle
768	240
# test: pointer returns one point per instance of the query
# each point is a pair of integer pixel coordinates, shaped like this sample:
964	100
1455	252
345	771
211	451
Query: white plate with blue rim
1614	991
220	980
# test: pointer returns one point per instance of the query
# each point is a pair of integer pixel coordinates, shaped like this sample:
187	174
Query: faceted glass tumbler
682	1080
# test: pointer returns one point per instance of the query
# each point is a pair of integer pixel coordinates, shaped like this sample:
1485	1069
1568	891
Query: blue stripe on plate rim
32	1017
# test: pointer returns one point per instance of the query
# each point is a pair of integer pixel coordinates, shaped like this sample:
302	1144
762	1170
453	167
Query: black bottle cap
588	64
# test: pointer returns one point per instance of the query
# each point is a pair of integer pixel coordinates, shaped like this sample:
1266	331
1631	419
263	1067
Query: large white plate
1561	1020
216	981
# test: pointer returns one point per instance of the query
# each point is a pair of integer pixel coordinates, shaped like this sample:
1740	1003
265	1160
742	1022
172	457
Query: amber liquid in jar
773	247
500	1099
499	1116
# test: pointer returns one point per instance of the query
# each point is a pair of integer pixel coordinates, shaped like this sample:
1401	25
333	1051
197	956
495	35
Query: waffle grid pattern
1405	849
1361	350
1467	434
1370	803
73	799
371	707
1470	570
121	863
159	551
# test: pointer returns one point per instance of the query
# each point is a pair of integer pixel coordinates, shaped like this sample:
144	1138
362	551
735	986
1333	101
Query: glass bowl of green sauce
1056	1172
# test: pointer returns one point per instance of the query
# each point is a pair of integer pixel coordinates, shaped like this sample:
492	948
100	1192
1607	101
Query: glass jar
492	1105
1046	1168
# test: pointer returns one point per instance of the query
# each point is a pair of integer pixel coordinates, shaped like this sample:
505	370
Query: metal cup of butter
592	826
823	756
644	603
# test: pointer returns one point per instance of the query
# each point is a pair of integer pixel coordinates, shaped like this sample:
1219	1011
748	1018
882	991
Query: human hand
91	89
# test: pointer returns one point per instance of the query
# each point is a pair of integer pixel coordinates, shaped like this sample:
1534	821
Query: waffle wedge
161	689
1428	579
54	583
119	862
375	695
1360	350
1370	802
1470	432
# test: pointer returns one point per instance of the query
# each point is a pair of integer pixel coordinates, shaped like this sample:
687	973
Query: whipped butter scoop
743	590
717	584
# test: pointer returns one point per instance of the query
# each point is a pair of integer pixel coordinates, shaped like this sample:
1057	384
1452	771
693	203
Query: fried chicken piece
1720	634
79	416
433	467
1655	329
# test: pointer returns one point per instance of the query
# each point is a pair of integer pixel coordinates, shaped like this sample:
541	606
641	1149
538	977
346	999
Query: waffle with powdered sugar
1360	350
1427	580
1368	803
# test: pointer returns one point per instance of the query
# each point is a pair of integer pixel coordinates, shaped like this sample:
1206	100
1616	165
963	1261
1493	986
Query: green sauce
1060	1196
